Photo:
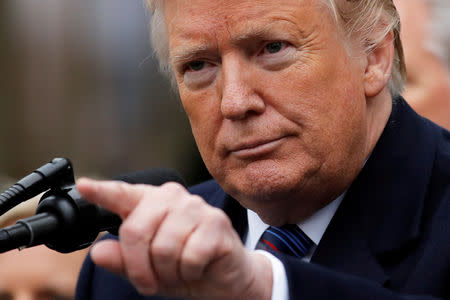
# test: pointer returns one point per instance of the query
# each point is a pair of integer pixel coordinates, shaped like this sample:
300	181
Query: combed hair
368	20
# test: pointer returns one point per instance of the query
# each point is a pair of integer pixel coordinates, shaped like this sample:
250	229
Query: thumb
107	254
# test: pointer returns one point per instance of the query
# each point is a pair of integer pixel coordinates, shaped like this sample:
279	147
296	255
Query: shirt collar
314	227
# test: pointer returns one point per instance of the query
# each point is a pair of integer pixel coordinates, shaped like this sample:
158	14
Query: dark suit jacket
389	239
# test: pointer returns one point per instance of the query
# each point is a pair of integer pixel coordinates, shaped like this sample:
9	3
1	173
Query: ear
379	66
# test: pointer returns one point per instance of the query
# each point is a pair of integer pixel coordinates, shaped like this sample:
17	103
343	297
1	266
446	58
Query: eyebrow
252	33
269	30
186	53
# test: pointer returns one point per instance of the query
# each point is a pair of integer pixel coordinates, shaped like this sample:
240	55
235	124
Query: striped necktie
288	239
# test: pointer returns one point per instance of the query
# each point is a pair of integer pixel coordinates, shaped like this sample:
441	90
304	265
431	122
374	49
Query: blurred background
78	80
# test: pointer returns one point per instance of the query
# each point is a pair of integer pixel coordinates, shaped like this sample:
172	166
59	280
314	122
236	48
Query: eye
198	73
274	47
195	66
276	55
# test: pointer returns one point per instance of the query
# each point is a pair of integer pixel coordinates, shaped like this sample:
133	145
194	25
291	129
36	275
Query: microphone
65	222
56	173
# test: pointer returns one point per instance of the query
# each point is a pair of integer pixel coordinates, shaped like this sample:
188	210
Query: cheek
328	109
314	101
204	116
324	88
198	107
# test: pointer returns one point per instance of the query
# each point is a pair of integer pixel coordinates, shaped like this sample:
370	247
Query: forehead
233	9
202	20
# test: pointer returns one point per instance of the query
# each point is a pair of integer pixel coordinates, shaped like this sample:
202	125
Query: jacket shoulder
210	191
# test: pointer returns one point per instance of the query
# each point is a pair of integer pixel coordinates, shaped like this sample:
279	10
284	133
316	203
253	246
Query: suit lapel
345	247
238	216
382	211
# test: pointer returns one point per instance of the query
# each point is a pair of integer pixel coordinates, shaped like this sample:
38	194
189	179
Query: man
426	39
291	106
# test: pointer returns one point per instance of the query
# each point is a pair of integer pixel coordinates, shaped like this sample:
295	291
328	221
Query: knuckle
163	251
133	193
122	188
130	232
191	266
191	260
202	253
173	188
217	217
194	202
141	281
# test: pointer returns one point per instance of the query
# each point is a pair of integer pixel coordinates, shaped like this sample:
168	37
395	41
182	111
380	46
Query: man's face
276	104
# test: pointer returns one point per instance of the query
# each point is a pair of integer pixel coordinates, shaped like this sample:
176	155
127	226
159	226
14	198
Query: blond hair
368	20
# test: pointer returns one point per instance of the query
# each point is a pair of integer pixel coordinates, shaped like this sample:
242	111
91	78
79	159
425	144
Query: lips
256	147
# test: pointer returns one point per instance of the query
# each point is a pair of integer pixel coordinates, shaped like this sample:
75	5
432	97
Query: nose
240	98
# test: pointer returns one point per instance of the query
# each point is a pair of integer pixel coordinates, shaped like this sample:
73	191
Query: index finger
116	196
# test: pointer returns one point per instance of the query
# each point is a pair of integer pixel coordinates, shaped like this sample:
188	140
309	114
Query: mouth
256	148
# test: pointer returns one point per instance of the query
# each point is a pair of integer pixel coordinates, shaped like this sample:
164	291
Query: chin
263	187
276	205
278	194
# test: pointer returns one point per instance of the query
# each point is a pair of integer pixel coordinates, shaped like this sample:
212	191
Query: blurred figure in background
426	41
36	273
39	273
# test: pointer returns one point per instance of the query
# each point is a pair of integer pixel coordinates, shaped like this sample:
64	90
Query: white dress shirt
314	227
